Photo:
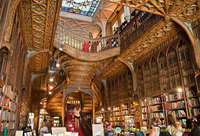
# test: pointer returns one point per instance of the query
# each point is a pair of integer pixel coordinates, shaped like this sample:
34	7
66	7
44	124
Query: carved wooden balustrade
136	27
123	38
64	36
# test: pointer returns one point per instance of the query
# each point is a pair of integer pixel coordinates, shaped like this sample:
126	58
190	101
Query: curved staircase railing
65	36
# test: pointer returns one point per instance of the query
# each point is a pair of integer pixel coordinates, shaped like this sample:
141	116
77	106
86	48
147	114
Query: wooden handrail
70	38
85	122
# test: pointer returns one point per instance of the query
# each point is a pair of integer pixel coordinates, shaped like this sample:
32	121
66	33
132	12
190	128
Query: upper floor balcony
109	46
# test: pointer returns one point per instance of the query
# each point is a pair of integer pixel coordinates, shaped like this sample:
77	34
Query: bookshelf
193	101
155	75
175	104
166	84
144	112
156	108
147	78
11	79
164	76
115	116
140	81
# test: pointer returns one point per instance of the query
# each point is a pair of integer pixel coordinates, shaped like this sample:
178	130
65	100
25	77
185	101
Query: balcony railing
67	37
135	28
124	37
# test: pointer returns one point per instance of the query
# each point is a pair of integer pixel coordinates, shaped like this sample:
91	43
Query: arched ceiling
80	27
105	10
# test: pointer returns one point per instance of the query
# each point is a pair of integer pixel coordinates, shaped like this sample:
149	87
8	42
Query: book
155	108
193	102
155	100
172	97
178	113
175	105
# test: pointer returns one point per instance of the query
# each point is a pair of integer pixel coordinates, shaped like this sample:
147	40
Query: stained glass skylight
83	7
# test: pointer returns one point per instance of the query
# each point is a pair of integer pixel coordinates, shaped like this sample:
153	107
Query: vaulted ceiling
80	27
38	19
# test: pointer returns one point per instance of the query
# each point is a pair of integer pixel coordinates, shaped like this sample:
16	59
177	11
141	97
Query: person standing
108	128
188	128
155	127
77	117
196	130
43	129
174	127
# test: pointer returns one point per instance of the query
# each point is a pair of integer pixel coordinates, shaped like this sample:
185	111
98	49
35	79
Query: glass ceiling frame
83	7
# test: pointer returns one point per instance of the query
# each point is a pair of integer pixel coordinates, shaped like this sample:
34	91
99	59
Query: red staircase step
70	123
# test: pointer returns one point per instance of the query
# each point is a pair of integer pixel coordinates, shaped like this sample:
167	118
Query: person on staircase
77	117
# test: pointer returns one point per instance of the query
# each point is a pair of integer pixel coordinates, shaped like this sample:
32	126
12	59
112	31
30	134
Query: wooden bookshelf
11	80
158	79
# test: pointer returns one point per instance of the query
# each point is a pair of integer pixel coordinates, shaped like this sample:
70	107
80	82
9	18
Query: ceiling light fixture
50	87
51	79
57	65
179	90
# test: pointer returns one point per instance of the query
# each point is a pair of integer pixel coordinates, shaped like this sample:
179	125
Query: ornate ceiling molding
185	9
39	19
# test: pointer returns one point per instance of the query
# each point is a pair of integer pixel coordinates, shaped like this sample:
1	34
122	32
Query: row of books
116	123
187	72
154	100
125	112
175	105
182	122
193	102
116	113
193	112
116	109
124	107
155	108
158	114
172	97
144	116
178	113
144	109
190	93
6	115
163	72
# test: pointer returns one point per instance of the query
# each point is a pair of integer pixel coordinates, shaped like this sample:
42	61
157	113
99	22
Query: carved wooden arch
132	73
168	49
153	57
28	60
193	40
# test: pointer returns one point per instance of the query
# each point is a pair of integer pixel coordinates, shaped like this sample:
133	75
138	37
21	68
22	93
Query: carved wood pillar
63	109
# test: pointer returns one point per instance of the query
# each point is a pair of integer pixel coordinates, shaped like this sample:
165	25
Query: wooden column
93	111
63	108
63	111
